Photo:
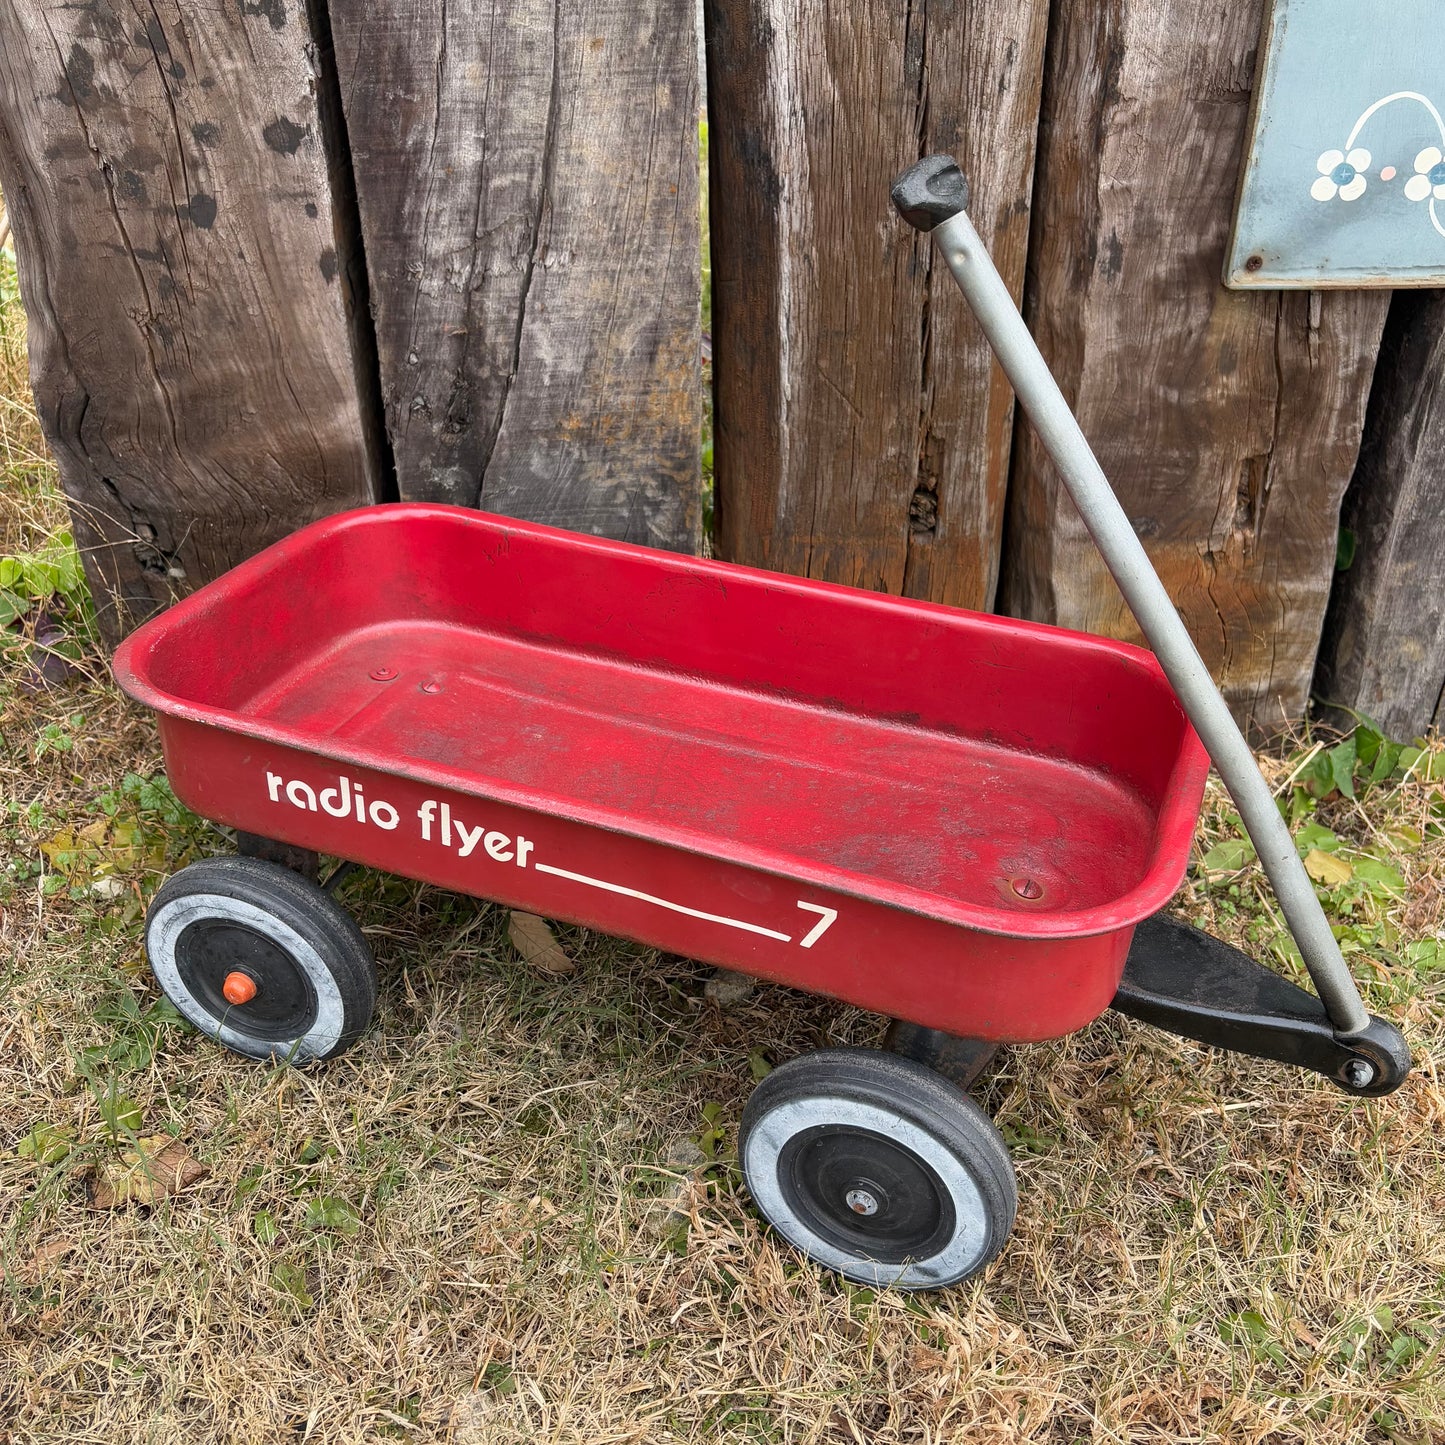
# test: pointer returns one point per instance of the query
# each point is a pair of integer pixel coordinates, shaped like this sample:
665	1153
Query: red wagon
956	820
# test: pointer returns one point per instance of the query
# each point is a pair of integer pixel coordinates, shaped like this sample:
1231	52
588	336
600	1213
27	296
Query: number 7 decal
824	923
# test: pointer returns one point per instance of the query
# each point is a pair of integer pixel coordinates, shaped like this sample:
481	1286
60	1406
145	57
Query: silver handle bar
932	196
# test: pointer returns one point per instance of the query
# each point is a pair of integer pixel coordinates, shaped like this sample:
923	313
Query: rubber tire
340	967
925	1105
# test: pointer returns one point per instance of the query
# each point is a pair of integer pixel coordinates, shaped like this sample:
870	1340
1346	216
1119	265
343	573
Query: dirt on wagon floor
512	1213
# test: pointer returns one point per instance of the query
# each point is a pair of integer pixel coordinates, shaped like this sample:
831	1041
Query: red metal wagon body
967	823
950	818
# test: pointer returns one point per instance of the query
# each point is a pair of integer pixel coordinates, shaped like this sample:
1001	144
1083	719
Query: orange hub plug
239	988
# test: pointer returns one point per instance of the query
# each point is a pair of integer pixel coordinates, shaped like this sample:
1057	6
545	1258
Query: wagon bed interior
988	764
950	815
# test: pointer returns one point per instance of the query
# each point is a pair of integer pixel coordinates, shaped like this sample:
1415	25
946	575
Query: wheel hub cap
239	988
245	980
861	1200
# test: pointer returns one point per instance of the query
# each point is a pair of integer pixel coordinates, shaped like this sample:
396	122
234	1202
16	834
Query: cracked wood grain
527	172
1384	645
1229	422
185	283
863	430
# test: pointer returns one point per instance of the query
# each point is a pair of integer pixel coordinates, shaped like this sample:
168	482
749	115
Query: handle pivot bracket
1189	983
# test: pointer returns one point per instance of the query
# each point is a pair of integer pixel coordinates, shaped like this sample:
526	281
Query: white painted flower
1429	177
1341	175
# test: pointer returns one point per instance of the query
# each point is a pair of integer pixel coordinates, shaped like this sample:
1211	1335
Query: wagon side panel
884	959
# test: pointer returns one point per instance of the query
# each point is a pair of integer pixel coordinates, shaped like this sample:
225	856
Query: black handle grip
929	193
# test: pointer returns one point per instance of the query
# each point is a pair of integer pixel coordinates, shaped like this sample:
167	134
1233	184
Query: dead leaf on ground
533	938
924	1359
685	1161
159	1166
1327	868
59	848
727	988
31	1270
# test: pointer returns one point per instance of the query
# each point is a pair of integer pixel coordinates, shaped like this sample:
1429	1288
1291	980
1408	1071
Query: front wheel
261	959
875	1167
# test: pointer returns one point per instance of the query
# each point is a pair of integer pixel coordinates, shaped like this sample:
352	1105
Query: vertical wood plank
184	281
527	173
1384	646
1228	422
863	429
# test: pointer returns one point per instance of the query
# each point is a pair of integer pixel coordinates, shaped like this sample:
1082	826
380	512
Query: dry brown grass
1206	1249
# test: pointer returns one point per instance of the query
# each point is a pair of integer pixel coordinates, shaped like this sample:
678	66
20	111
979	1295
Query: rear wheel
261	959
875	1167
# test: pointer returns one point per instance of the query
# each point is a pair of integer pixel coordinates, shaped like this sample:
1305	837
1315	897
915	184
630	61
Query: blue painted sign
1344	174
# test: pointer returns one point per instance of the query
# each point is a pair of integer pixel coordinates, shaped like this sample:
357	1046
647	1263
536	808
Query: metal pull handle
931	197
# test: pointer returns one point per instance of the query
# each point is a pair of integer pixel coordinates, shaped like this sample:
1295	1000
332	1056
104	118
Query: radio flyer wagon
967	823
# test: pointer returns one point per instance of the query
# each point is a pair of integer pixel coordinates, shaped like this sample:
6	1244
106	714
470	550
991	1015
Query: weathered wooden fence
1384	645
181	263
282	257
528	182
862	429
